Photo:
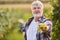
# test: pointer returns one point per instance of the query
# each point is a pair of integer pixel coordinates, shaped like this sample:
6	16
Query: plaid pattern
39	36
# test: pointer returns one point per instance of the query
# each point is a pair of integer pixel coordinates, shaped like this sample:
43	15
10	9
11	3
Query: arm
48	26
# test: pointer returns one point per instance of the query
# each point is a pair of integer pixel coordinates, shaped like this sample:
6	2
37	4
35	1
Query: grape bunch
41	26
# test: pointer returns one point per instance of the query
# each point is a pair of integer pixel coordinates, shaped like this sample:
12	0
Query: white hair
37	3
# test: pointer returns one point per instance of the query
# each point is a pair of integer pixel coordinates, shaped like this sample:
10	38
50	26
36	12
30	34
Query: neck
36	19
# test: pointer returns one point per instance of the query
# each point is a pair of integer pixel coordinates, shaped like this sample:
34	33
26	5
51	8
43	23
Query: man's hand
43	28
23	33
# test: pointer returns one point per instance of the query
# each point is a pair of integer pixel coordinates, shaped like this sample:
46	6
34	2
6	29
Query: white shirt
32	30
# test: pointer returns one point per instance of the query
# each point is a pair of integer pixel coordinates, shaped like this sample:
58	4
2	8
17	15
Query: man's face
37	10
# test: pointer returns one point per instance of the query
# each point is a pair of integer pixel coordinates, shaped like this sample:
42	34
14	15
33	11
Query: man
30	31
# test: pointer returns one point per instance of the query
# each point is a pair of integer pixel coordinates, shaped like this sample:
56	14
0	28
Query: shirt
32	30
31	35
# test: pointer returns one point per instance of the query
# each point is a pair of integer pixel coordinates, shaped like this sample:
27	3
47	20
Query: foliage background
11	12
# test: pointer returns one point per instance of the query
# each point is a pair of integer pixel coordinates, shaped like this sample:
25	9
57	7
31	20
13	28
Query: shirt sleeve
49	25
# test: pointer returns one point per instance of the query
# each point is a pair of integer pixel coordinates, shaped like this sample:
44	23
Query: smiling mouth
37	12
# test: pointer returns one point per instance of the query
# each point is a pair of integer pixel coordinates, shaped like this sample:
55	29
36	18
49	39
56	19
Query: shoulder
29	21
48	21
31	18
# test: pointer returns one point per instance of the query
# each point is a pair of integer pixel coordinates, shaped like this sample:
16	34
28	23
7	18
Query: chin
37	15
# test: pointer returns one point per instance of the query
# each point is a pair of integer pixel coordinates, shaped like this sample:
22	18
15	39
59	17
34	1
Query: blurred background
15	13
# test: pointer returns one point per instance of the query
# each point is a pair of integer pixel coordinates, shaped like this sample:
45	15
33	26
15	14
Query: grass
15	35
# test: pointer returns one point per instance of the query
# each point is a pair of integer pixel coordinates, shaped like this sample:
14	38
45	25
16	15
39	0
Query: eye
39	8
34	8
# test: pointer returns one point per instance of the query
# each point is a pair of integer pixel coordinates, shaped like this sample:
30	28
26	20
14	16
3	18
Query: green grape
39	30
41	25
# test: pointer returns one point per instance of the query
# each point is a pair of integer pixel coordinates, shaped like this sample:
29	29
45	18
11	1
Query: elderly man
30	31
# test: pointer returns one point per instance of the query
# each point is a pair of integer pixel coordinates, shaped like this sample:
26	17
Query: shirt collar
41	19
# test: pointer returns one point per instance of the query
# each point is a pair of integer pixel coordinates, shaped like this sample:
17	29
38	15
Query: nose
37	10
